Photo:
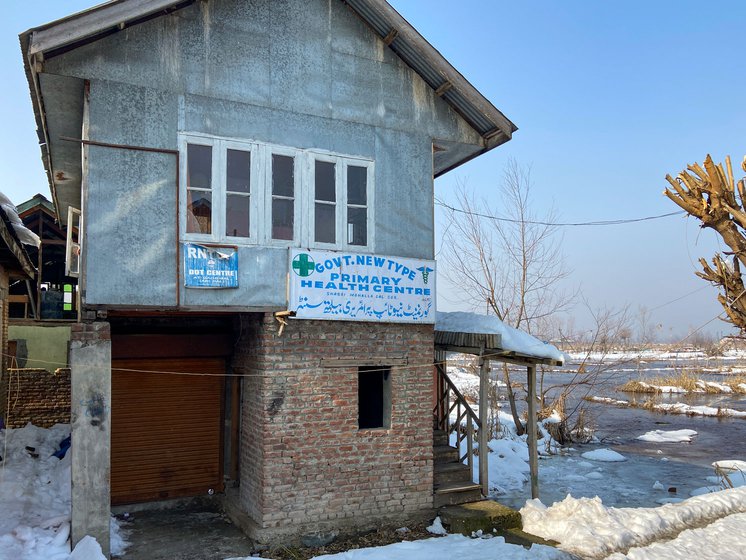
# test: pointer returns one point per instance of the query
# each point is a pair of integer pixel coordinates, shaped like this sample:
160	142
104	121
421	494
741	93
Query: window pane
282	218
283	181
237	215
357	181
199	211
325	183
199	166
324	223
239	171
357	226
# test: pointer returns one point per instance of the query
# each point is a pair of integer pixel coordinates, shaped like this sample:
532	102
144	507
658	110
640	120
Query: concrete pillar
90	364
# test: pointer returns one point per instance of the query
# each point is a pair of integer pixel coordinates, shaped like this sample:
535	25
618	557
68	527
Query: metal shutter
166	434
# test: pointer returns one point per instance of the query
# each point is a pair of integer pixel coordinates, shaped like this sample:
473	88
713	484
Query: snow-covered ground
676	408
35	499
451	547
708	526
654	355
35	503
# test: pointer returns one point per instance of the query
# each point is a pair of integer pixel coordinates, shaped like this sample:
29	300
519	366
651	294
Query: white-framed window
341	201
220	201
73	244
247	192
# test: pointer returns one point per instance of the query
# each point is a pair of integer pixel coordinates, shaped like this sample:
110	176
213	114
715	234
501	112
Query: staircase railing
465	424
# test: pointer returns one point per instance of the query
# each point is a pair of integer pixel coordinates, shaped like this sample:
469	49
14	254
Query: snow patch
450	548
437	527
673	436
604	455
513	340
589	529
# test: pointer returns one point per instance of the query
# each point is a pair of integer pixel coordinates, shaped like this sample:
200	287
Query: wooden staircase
452	479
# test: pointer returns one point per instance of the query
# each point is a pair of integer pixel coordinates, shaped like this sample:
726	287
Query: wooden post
484	371
533	451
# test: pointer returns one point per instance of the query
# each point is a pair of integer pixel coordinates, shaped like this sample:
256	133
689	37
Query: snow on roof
512	340
25	235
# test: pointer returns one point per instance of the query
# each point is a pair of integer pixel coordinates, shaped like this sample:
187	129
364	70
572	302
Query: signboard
207	266
353	287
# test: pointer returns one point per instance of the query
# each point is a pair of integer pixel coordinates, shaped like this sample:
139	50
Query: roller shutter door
166	435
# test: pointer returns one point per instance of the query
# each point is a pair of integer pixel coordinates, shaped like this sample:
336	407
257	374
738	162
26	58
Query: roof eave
29	63
10	238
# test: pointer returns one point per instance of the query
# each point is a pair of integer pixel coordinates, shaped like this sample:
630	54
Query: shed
490	339
14	264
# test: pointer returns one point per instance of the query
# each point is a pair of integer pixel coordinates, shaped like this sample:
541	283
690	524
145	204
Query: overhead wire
557	224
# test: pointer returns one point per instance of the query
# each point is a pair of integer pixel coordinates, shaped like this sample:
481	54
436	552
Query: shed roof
13	257
471	333
111	17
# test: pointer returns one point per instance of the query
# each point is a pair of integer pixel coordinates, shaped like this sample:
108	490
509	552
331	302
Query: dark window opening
374	397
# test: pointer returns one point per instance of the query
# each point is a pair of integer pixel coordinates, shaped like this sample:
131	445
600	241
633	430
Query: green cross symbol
303	265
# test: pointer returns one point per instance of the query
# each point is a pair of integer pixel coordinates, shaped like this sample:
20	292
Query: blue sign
210	267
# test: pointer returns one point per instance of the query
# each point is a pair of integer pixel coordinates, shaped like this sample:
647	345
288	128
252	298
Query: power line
680	298
558	224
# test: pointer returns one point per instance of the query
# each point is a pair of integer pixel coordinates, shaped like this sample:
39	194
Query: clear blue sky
608	98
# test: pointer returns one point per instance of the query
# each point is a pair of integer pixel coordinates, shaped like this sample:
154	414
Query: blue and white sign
210	267
353	287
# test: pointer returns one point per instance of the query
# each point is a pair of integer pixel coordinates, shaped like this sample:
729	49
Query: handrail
461	398
442	414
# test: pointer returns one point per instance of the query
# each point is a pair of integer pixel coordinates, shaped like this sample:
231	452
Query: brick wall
38	396
305	465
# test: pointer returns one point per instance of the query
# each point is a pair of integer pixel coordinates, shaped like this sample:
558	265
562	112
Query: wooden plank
93	22
533	451
484	452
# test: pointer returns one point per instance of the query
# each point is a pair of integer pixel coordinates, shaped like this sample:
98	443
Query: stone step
456	493
451	472
517	536
444	454
440	437
484	515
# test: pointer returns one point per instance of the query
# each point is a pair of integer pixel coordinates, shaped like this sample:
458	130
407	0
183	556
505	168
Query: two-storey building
229	164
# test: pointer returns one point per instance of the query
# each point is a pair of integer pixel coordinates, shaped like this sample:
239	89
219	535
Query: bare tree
712	195
646	328
509	261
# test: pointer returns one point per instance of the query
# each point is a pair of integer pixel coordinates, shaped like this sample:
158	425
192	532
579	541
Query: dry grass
648	404
687	381
634	386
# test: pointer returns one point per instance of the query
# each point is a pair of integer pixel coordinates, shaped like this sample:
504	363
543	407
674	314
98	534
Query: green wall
41	346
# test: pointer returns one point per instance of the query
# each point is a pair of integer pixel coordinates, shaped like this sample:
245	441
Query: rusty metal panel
166	435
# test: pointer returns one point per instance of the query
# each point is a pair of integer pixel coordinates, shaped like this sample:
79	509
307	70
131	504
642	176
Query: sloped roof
37	200
111	17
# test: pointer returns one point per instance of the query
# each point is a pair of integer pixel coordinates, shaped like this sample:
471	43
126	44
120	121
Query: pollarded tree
713	196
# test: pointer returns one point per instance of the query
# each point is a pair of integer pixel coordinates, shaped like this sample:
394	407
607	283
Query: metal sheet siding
311	77
166	437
